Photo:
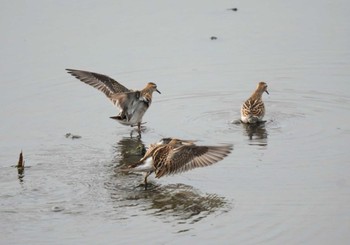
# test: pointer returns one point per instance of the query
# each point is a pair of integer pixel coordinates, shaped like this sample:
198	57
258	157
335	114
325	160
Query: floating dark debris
57	209
213	38
233	9
20	167
20	164
72	136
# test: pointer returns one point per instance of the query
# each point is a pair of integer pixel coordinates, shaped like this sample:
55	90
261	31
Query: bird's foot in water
140	129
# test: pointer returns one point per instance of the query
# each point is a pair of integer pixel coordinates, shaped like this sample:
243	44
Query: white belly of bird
251	119
135	113
146	166
136	118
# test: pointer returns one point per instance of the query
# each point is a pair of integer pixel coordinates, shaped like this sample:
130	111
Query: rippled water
286	181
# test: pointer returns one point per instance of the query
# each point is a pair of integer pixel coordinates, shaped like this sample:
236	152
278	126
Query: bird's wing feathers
187	157
253	107
129	102
99	81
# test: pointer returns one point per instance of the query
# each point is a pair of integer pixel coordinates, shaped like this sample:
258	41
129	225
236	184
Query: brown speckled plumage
253	109
171	156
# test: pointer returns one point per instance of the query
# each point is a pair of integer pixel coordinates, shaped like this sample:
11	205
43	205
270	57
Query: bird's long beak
267	91
158	91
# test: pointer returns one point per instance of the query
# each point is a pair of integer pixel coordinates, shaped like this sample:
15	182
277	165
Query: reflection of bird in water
256	131
179	201
132	104
253	109
185	202
170	156
129	150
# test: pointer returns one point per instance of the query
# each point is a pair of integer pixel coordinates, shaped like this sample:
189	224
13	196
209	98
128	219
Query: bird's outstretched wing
187	157
99	81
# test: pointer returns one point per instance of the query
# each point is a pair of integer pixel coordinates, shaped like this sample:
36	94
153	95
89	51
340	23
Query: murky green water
285	182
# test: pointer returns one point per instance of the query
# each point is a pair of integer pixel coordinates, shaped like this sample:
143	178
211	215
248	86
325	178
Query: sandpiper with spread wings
132	104
171	156
253	109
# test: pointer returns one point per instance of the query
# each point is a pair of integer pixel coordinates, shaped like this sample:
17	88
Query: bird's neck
147	90
257	94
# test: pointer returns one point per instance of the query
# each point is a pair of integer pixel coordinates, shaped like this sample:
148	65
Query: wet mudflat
286	181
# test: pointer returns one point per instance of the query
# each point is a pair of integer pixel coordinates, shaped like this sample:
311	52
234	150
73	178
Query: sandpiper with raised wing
132	104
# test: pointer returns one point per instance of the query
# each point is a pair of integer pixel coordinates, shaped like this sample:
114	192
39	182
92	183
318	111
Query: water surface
286	182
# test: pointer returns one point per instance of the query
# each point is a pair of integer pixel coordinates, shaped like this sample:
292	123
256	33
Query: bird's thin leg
131	133
133	130
145	179
139	128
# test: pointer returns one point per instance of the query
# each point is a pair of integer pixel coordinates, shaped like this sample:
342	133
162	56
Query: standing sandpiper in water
132	104
253	109
171	156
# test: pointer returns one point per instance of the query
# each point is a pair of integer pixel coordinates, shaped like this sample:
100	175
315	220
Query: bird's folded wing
127	101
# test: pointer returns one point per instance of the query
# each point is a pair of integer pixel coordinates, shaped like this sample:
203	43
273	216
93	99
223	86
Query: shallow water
286	181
